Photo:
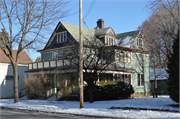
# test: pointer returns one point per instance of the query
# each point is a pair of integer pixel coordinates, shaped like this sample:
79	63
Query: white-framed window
61	37
123	57
139	42
109	41
140	79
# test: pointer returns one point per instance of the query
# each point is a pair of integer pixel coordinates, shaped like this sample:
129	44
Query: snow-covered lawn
102	107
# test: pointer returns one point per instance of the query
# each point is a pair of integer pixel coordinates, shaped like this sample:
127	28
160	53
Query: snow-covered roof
126	39
161	74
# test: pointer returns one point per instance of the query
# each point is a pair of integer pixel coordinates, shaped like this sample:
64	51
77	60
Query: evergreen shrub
109	91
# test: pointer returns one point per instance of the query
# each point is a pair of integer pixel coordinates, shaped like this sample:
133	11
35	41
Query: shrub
109	91
36	85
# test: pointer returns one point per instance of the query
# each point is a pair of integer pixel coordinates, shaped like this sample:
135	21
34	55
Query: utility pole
80	55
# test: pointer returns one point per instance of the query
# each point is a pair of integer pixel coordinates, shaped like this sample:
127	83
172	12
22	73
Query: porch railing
51	64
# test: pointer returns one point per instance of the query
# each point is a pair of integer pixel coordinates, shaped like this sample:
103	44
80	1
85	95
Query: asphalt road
11	114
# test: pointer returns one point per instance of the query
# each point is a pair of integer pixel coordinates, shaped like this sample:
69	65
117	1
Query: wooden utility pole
80	54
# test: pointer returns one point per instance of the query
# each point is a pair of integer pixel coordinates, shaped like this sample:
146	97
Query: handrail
23	92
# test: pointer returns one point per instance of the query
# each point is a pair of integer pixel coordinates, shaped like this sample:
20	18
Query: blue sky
121	15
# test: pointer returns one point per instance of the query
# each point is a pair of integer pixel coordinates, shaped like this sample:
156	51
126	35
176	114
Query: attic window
139	42
109	41
61	37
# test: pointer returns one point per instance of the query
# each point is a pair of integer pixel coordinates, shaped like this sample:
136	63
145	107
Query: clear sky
121	15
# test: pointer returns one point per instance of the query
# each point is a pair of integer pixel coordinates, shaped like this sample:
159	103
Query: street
6	114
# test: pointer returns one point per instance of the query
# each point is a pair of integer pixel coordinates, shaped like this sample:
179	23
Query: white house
6	73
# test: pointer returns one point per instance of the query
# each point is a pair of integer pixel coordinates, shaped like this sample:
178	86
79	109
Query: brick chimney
100	23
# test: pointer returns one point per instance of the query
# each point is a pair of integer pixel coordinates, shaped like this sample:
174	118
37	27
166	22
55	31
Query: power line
89	10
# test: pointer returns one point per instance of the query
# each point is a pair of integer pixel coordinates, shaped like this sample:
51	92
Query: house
6	73
162	80
130	52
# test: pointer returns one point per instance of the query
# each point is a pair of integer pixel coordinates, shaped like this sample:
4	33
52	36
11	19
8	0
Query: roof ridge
128	32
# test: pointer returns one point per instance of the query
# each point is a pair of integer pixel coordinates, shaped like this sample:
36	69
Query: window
123	78
54	55
57	54
140	79
140	59
109	41
139	42
123	57
61	37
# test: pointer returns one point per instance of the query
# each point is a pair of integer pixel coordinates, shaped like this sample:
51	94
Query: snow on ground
101	107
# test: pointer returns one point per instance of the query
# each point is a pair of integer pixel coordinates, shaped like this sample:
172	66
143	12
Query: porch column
55	89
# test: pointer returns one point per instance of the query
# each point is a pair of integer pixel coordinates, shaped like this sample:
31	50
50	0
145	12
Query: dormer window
61	37
139	42
109	41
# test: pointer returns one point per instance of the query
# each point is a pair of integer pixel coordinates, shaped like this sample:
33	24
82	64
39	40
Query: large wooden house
130	53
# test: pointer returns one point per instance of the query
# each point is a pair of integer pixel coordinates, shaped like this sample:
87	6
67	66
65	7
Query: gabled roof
74	31
101	31
24	58
88	33
126	39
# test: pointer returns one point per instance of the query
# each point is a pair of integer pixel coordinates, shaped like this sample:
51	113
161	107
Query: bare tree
96	58
159	30
26	21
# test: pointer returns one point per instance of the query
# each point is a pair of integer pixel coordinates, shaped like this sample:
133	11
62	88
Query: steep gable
133	39
72	35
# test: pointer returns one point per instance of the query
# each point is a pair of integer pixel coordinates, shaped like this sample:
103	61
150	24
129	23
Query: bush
36	85
109	91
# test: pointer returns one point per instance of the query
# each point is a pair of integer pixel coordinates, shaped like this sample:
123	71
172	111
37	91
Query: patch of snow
126	42
101	108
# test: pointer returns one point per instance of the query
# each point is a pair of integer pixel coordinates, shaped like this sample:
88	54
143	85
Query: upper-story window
61	37
123	57
57	54
139	42
109	41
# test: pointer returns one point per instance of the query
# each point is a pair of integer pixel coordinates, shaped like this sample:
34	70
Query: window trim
124	52
138	42
140	79
64	38
109	41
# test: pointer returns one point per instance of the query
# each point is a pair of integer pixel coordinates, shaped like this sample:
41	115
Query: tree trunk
155	81
15	73
90	86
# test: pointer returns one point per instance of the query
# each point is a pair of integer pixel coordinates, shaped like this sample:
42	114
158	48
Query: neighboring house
162	80
131	54
6	73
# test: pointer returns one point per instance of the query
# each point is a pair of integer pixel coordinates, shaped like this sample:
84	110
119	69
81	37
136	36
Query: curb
72	114
132	108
